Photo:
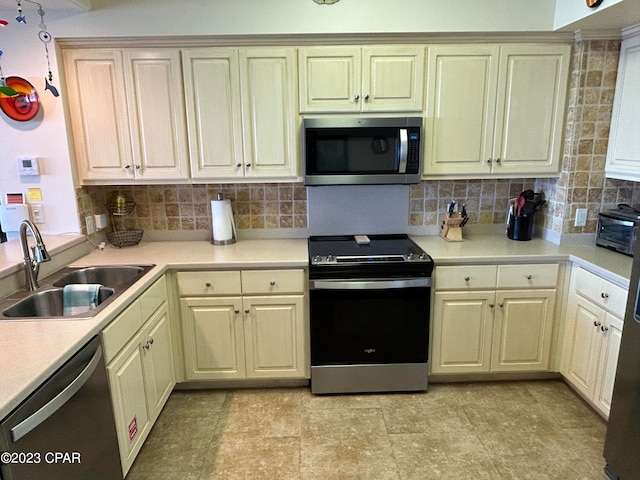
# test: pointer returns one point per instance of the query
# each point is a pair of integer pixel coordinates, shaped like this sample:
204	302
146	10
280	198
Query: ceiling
73	5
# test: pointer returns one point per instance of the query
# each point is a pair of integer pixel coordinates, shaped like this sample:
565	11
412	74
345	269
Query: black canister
520	227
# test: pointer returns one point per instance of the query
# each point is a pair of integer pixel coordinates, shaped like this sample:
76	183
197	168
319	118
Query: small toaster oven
618	228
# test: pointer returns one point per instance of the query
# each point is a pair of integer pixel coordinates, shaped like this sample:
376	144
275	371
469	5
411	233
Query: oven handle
370	284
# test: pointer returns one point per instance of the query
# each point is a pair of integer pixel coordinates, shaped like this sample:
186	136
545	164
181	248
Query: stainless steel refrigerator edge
622	442
66	428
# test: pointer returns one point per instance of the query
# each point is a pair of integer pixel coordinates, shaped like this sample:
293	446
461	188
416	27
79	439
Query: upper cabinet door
214	115
461	102
495	110
269	114
392	79
530	110
623	154
127	112
329	79
156	108
99	117
361	79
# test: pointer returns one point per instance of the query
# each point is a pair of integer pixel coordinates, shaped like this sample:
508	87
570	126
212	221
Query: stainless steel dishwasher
66	428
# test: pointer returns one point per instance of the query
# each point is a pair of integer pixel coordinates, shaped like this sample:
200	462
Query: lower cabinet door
611	336
522	330
462	332
584	346
213	338
274	336
158	362
126	379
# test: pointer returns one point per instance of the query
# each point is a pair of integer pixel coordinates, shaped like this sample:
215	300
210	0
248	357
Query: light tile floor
498	430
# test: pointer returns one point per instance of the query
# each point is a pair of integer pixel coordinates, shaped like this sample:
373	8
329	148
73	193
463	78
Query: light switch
37	213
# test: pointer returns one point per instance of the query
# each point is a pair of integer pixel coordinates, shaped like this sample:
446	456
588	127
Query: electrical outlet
581	217
91	224
37	213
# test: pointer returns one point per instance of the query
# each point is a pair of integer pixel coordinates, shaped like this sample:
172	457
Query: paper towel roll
224	228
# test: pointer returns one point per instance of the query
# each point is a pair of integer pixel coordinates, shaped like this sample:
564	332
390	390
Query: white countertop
30	351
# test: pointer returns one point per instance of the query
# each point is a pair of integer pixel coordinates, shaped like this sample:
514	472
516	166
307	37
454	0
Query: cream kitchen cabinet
361	79
139	357
244	324
623	154
493	318
127	114
241	112
592	336
495	110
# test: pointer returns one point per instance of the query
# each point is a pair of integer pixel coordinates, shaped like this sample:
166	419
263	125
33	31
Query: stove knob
330	258
411	256
424	256
317	259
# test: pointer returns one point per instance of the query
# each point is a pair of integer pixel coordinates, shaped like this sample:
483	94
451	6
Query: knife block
451	229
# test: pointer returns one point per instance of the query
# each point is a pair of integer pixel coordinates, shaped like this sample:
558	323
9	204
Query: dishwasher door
66	428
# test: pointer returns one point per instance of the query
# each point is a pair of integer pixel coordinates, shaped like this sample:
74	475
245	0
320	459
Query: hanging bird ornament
45	37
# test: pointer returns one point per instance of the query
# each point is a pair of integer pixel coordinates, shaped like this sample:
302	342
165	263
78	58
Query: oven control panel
359	259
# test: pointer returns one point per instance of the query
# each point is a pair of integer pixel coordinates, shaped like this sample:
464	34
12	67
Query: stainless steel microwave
361	150
618	229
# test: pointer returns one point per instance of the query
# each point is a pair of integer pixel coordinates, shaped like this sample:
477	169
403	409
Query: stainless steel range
369	302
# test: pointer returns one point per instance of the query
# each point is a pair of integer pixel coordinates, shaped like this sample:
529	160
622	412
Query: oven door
358	322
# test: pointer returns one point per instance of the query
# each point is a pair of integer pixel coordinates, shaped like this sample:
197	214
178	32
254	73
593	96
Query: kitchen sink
49	303
110	276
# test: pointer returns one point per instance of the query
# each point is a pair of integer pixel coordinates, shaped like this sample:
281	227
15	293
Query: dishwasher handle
369	284
47	410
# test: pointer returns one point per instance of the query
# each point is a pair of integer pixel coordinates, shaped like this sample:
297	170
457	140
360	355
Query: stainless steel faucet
40	254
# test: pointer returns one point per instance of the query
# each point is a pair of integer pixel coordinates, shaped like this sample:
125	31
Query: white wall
44	136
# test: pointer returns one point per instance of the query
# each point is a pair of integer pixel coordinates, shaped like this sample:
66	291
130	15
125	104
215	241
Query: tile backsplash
581	183
188	207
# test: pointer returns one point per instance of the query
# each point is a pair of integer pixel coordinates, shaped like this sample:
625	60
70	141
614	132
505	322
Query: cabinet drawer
272	281
601	291
208	283
121	330
153	297
526	275
469	277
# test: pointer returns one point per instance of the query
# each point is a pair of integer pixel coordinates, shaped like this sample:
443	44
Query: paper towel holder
227	212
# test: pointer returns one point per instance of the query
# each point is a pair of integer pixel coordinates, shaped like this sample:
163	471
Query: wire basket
125	238
120	209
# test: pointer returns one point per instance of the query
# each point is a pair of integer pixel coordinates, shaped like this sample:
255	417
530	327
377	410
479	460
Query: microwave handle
404	150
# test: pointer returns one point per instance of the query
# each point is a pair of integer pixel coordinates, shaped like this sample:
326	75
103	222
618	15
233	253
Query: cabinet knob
272	283
604	295
604	329
151	341
466	279
147	345
366	98
497	160
238	165
489	161
236	311
137	167
491	305
596	323
247	311
127	166
501	304
529	277
248	165
356	98
208	285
